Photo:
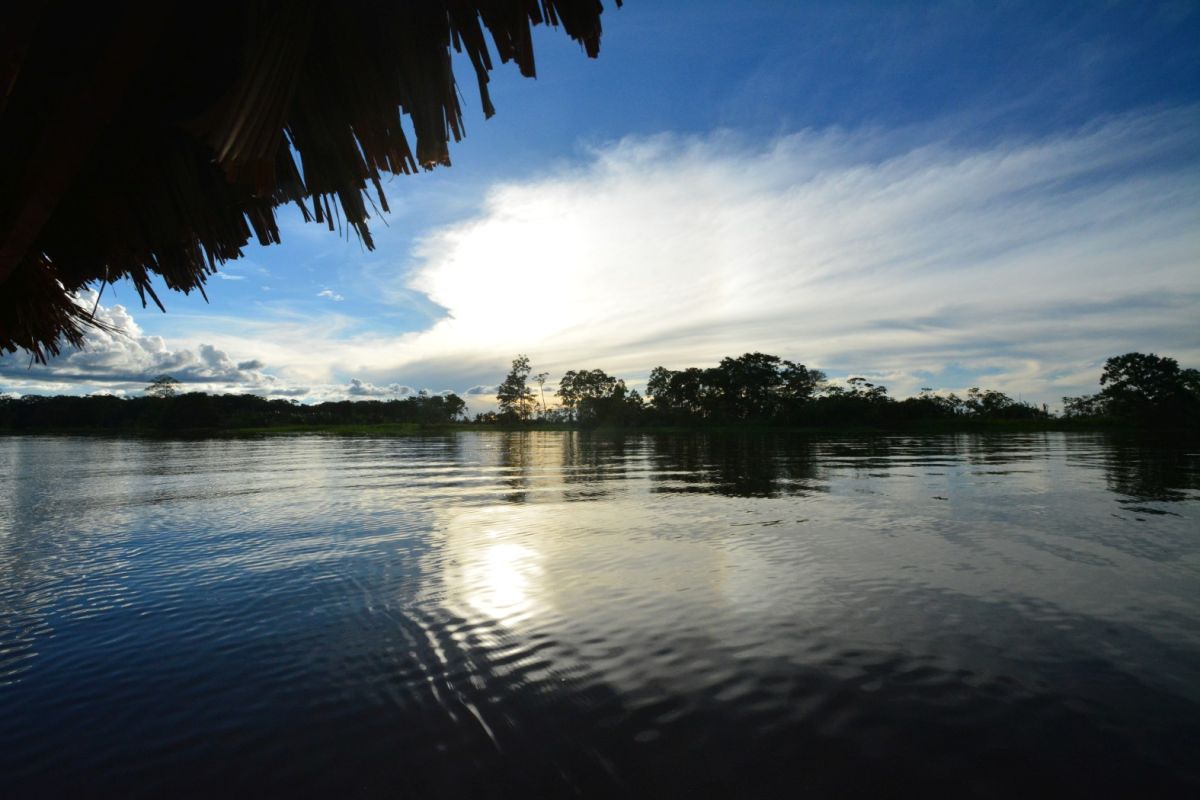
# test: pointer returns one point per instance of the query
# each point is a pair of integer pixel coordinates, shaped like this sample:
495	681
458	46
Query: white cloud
332	295
120	358
1026	262
359	388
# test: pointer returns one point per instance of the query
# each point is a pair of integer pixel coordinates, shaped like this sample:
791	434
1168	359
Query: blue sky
929	194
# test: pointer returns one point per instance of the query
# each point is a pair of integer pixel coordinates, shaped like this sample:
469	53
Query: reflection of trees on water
516	457
1142	469
584	466
1144	476
999	449
588	466
741	466
533	462
1151	470
885	456
591	463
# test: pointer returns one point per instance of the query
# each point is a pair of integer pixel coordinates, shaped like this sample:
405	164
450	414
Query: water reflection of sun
522	565
493	565
501	580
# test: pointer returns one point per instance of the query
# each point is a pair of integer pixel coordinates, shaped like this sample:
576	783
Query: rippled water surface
549	614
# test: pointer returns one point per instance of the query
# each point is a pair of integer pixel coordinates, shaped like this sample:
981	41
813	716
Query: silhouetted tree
1088	405
799	385
540	380
749	387
752	387
513	394
1138	385
455	406
1143	388
163	386
678	396
594	397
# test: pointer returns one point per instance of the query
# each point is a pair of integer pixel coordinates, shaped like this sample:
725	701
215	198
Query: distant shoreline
408	429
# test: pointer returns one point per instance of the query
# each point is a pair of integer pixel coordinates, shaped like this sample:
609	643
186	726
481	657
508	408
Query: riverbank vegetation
752	391
760	390
163	409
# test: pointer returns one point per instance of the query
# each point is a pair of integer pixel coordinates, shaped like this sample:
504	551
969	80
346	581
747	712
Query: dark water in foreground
552	614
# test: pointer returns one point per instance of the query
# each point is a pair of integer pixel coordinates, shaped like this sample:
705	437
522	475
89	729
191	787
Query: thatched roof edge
149	139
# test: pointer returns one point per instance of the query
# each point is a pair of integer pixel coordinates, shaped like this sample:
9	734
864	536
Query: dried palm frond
145	139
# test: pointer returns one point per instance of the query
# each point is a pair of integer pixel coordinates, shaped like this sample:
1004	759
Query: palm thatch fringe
144	139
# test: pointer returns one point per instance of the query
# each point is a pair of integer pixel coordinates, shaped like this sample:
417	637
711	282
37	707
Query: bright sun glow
495	570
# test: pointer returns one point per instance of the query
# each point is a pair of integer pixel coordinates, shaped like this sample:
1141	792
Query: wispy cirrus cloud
1022	264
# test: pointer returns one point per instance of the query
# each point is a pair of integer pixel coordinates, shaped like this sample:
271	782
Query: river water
550	614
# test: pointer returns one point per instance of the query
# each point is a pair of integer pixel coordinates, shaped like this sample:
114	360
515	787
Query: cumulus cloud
360	388
120	357
122	360
331	294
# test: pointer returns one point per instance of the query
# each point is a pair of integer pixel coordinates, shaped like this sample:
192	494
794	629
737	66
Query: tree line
751	389
165	409
762	389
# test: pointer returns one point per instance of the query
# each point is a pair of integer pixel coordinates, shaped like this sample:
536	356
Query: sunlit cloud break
1023	261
